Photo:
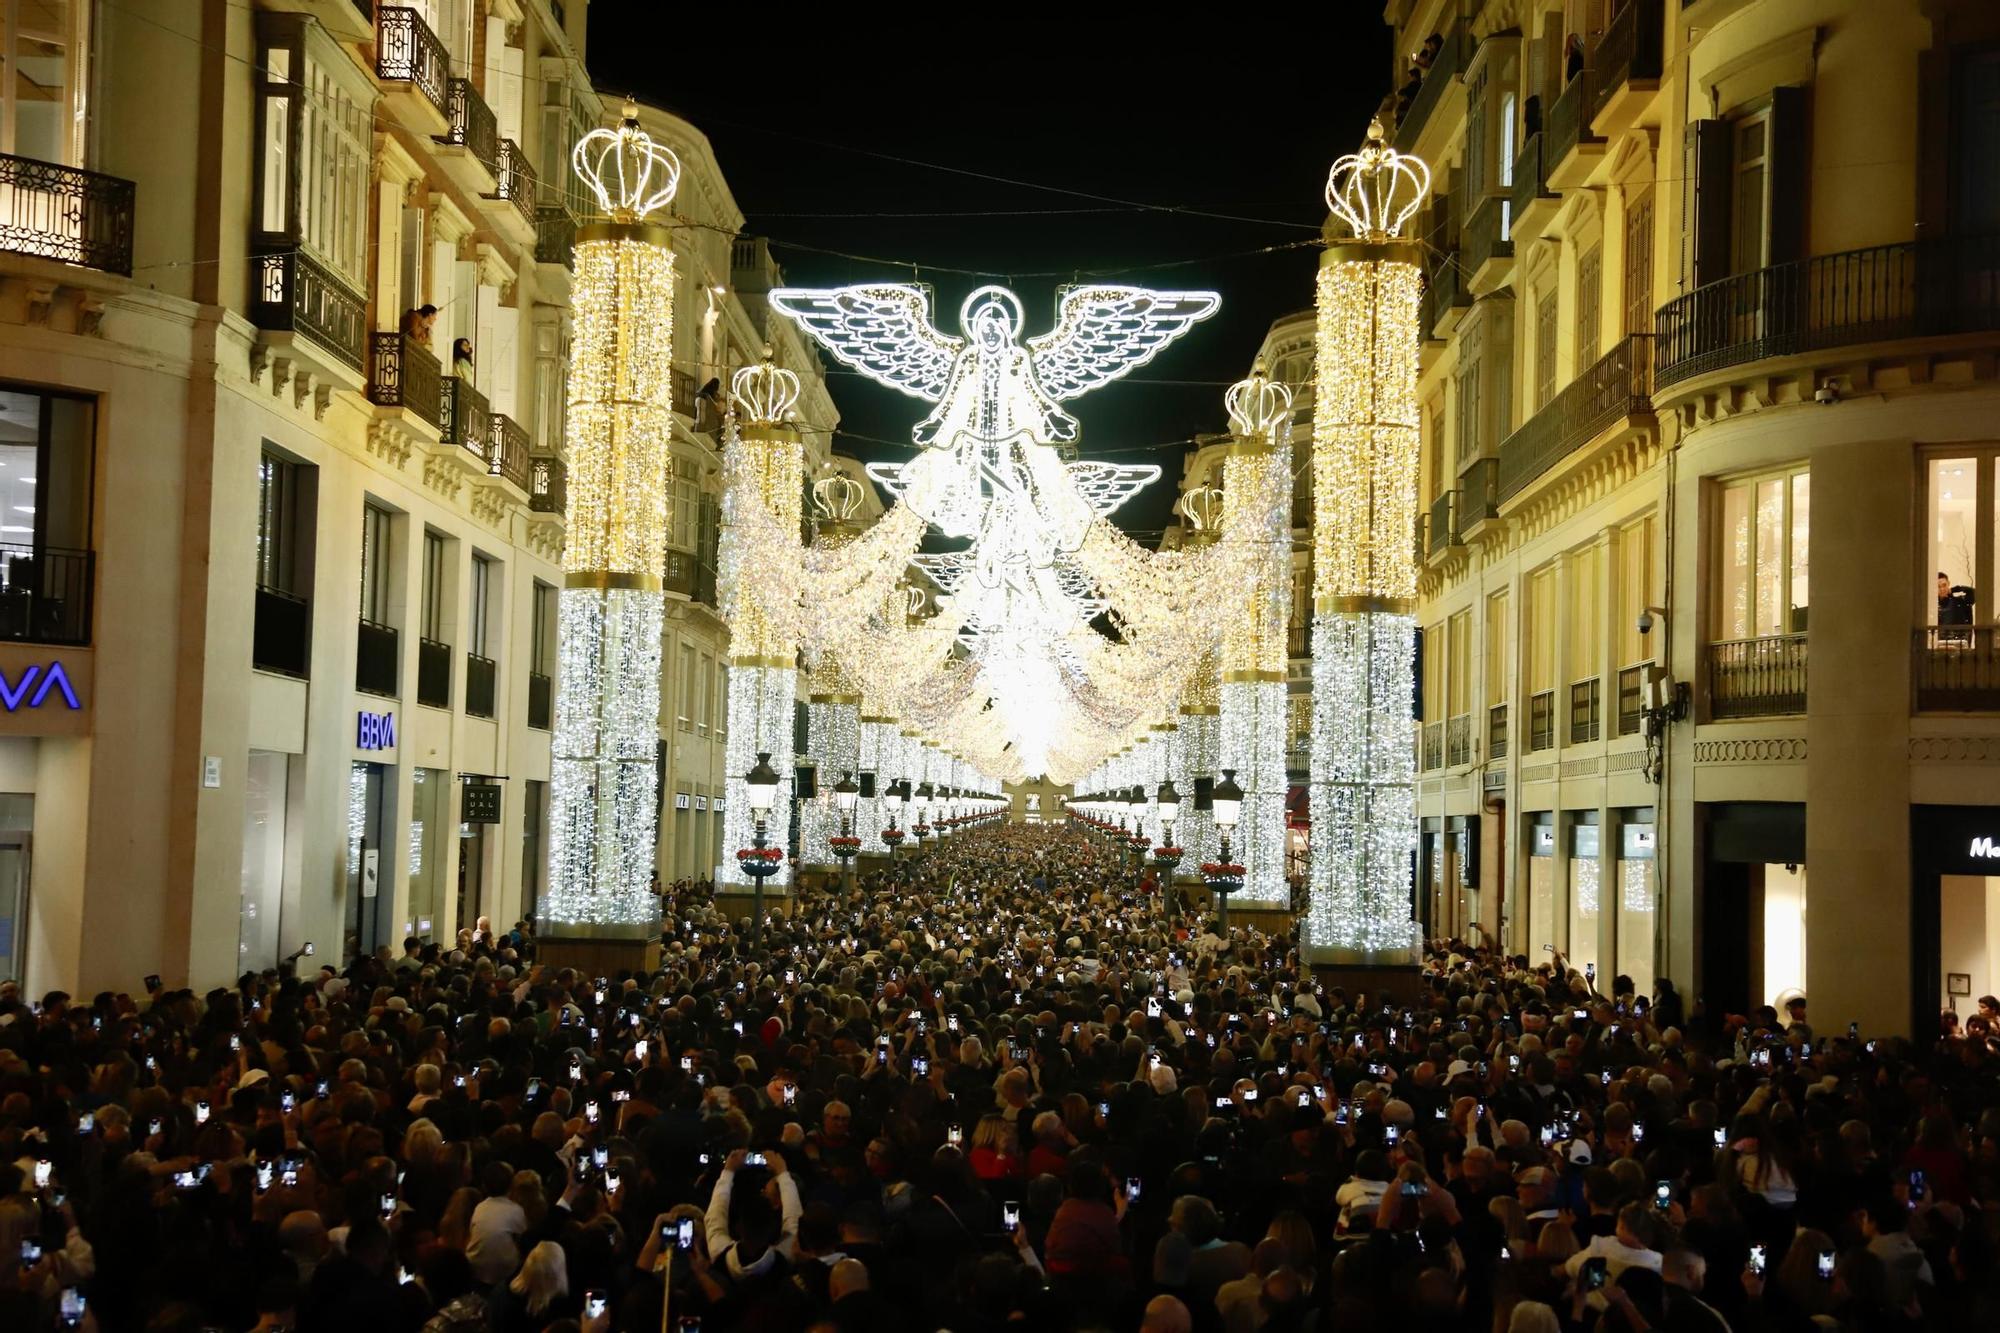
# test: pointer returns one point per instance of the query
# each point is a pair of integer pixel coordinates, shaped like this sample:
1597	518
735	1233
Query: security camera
1645	622
1827	394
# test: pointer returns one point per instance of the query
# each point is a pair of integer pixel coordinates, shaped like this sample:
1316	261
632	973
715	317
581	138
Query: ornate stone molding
1537	773
489	505
1955	749
1625	762
443	476
390	443
545	536
1752	750
1583	768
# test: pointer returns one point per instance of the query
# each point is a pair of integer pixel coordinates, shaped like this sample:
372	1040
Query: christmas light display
603	796
1362	797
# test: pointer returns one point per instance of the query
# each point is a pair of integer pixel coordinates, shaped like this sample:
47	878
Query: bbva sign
375	731
32	689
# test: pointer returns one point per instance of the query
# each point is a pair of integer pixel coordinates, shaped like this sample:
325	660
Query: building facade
1711	318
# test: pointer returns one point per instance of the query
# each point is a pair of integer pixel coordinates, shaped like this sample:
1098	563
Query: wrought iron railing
281	638
67	214
481	677
682	569
1631	699
1628	50
1486	236
403	373
1478	493
1584	724
1568	120
541	701
45	594
1418	550
297	294
1445	68
1762	677
1542	721
1442	529
1496	732
407	51
1617	387
1956	668
516	179
548	484
1946	285
375	670
473	126
684	388
507	452
1444	289
433	673
555	235
1433	746
468	422
1531	177
1458	739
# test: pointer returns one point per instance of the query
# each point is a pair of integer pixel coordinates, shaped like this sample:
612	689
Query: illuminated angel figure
987	385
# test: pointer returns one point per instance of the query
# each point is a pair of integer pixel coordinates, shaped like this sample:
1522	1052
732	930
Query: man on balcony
1954	607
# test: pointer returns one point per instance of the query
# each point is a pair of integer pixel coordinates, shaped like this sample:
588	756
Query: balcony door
45	52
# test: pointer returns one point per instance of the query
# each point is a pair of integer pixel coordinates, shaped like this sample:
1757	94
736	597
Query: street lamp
1224	876
922	804
1135	803
845	793
760	788
892	801
1166	856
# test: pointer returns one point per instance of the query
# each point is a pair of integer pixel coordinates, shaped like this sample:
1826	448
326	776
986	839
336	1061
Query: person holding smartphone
762	1232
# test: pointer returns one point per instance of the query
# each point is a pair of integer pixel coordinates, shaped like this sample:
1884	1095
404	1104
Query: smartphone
1916	1182
791	977
1439	1113
265	1172
43	1168
1104	1109
1131	1189
31	1250
954	1135
595	1304
1513	1064
388	1204
1663	1195
921	1066
621	1095
235	1042
185	1180
404	1277
288	1175
684	1234
1853	1031
1340	1113
1223	1104
288	1101
791	1094
599	1155
534	1089
1590	971
576	1071
1152	1006
1010	1215
458	1080
1604	1078
70	1308
590	1111
322	1089
1249	1094
154	1126
201	1113
639	1049
687	1063
86	1123
951	1022
1722	1138
1757	1260
613	1178
753	1159
1825	1269
1595	1271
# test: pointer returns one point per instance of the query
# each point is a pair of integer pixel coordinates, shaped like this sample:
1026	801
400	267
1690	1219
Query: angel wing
1102	332
1105	486
882	330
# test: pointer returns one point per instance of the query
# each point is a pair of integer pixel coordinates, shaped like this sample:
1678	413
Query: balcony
281	639
480	675
433	673
1419	552
1625	65
1443	74
1542	721
474	132
1433	737
73	216
1485	248
299	297
507	454
1534	202
1915	289
1583	715
682	573
403	374
467	423
410	55
1478	494
375	670
684	388
1458	740
555	236
1572	148
516	185
548	484
1632	699
45	594
1445	296
1298	641
1762	677
1955	669
541	701
1442	527
1496	732
1615	391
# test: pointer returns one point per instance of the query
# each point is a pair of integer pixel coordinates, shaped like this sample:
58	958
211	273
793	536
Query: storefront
45	718
1543	928
1955	909
1751	898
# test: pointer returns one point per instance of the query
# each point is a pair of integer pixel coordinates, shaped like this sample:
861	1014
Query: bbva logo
375	731
34	687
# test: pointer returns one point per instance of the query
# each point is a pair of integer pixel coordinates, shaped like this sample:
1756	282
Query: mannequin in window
1954	606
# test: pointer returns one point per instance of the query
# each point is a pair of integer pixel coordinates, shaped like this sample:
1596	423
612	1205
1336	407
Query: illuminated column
878	751
1363	803
759	560
833	698
1257	503
603	798
1197	749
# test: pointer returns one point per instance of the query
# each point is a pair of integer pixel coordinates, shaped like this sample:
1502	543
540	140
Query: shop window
430	791
1761	560
1637	897
1543	926
1585	895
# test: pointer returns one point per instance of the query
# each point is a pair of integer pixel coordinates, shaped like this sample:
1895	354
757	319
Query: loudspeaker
805	782
866	781
1204	793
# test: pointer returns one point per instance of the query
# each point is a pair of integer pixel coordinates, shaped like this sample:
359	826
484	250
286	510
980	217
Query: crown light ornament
1361	784
629	174
765	393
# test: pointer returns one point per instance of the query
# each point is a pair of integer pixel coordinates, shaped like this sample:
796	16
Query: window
1458	673
44	97
1496	648
1761	558
376	568
284	534
542	644
534	870
1585	616
567	115
705	693
1974	186
684	506
316	135
1540	650
1433	450
483	640
433	626
1545	348
1747	201
687	683
1434	670
1639	264
1470	437
1589	297
1638	546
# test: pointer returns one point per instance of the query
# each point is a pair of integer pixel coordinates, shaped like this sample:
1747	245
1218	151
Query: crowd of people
1005	1082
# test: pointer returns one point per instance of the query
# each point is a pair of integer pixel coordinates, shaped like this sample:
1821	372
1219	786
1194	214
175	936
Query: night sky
826	133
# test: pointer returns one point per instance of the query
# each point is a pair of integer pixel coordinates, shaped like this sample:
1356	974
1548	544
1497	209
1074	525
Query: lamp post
1166	856
760	786
845	793
892	801
921	803
1224	876
1135	802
